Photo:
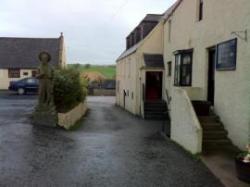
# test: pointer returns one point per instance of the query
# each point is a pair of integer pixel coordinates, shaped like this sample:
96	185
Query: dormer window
200	15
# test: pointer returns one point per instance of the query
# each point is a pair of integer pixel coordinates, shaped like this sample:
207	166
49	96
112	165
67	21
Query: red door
153	86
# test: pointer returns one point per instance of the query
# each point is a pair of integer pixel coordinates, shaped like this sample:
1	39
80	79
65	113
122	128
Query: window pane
186	59
14	73
183	69
177	69
186	70
169	68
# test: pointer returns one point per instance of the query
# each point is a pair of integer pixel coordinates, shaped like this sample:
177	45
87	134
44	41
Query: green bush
69	89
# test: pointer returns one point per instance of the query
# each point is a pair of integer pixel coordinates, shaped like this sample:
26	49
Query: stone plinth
45	115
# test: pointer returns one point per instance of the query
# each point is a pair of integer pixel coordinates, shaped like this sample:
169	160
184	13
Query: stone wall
103	92
69	119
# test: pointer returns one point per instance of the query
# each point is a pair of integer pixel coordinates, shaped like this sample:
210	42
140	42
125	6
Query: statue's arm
51	75
41	73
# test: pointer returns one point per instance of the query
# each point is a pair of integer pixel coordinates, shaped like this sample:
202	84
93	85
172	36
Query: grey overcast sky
94	30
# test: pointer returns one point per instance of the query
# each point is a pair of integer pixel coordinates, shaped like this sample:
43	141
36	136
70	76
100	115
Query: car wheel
21	91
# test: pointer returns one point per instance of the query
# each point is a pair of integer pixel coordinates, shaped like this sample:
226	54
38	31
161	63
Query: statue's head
44	57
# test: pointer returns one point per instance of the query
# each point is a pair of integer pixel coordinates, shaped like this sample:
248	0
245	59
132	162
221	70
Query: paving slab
222	165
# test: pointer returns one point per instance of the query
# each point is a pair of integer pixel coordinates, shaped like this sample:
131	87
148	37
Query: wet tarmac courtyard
110	148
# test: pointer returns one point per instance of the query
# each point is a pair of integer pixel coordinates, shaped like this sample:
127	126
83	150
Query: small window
25	73
227	55
14	73
201	6
169	30
183	68
117	86
169	68
34	73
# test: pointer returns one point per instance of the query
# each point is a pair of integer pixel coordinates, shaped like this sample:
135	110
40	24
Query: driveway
111	148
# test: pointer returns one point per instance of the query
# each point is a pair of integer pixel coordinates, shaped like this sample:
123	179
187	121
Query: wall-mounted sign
226	55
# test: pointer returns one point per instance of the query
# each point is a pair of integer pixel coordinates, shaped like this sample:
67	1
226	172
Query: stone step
155	102
209	146
155	110
155	105
229	149
212	126
215	135
155	117
215	143
209	119
202	108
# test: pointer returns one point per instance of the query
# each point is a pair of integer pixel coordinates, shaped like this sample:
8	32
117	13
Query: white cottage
19	57
205	45
140	70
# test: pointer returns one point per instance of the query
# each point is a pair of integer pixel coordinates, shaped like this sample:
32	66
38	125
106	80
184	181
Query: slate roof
148	17
153	60
152	17
129	51
171	10
23	52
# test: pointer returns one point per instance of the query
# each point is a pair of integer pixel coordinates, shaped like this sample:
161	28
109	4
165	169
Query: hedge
69	89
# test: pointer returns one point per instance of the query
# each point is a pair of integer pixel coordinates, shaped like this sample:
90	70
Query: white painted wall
232	88
130	73
126	75
5	80
185	127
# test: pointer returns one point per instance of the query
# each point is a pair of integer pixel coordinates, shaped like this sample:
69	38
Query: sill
199	21
181	86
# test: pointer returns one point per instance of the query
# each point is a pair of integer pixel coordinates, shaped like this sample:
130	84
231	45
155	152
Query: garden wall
69	119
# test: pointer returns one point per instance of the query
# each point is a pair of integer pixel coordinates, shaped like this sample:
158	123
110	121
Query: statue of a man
45	76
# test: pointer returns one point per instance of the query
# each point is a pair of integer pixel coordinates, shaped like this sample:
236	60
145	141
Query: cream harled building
204	46
19	57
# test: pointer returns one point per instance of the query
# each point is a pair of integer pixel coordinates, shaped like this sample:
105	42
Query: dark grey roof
129	51
153	17
154	60
23	52
170	11
149	17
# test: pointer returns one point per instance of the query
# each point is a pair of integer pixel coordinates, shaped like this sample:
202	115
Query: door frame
211	74
162	82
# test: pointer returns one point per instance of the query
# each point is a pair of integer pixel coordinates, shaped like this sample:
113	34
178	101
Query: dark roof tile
23	52
154	60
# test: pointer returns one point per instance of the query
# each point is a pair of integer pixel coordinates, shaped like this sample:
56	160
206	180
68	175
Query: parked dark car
24	86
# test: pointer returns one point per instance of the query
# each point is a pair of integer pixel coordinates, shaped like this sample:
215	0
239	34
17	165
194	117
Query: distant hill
108	71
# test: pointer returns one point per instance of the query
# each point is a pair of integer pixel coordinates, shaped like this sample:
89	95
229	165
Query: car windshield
31	81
